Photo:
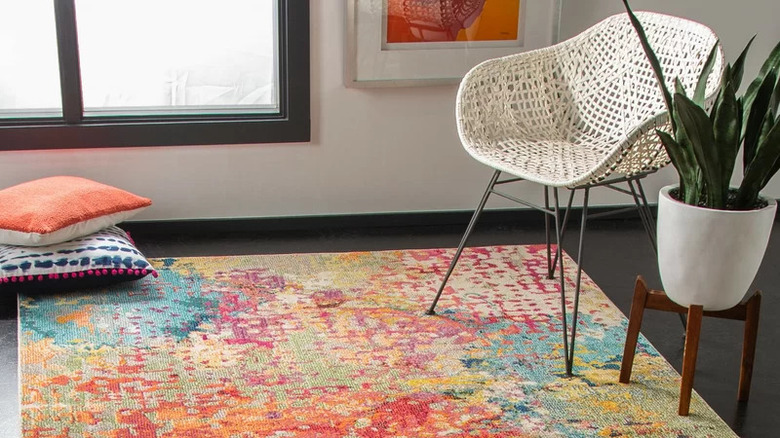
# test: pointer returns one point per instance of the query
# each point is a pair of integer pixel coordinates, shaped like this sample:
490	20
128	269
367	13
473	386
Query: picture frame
374	61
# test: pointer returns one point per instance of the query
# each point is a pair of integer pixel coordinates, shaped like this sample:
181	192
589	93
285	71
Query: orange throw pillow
60	208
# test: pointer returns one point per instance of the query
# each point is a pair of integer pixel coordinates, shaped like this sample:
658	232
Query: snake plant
704	147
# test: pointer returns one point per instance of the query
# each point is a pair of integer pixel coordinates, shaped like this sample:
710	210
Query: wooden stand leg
634	324
749	346
645	298
692	333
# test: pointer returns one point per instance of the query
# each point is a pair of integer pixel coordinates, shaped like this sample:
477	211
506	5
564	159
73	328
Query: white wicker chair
577	115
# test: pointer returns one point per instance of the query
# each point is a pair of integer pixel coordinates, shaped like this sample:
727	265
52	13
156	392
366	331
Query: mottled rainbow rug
338	345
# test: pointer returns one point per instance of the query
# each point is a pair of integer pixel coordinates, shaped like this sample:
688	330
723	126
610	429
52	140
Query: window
108	73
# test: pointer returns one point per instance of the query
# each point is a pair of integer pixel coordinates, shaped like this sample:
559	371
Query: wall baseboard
513	217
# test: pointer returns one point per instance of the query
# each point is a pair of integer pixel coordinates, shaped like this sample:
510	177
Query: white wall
373	150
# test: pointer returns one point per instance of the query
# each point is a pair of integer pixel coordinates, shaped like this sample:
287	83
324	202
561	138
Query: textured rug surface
337	345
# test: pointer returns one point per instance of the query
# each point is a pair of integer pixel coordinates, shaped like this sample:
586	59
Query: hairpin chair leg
469	229
644	211
559	258
648	211
578	281
550	265
564	224
569	342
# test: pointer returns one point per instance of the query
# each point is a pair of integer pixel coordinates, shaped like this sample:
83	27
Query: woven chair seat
568	164
584	109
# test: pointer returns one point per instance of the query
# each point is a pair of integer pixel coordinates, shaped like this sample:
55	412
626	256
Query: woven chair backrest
596	90
598	83
611	81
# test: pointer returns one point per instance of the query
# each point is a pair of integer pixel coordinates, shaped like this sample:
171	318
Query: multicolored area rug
338	345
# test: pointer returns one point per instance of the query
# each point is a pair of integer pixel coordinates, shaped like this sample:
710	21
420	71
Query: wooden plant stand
645	298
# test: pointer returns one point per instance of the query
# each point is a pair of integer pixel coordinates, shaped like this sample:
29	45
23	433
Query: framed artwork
424	42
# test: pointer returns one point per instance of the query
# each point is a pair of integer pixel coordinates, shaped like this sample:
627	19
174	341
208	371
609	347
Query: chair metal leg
559	257
577	284
648	211
550	266
644	211
563	230
569	339
469	229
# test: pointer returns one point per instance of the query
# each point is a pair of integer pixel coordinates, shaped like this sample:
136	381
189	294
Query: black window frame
73	131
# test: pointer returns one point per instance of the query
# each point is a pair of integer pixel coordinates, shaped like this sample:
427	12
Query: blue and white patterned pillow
105	257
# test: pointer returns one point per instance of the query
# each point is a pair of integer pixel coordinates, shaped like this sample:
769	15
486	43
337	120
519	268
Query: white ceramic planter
710	257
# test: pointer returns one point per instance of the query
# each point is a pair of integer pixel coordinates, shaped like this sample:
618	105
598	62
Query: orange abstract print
413	21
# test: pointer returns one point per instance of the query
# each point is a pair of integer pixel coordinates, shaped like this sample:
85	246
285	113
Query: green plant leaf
766	128
698	127
678	87
727	127
724	81
693	191
761	169
741	113
701	85
758	110
659	74
772	63
684	163
775	101
739	66
700	193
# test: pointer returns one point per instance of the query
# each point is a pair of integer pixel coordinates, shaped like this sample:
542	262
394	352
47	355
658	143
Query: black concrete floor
616	251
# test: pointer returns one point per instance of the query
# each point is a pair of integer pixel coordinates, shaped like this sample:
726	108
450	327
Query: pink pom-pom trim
129	237
81	274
